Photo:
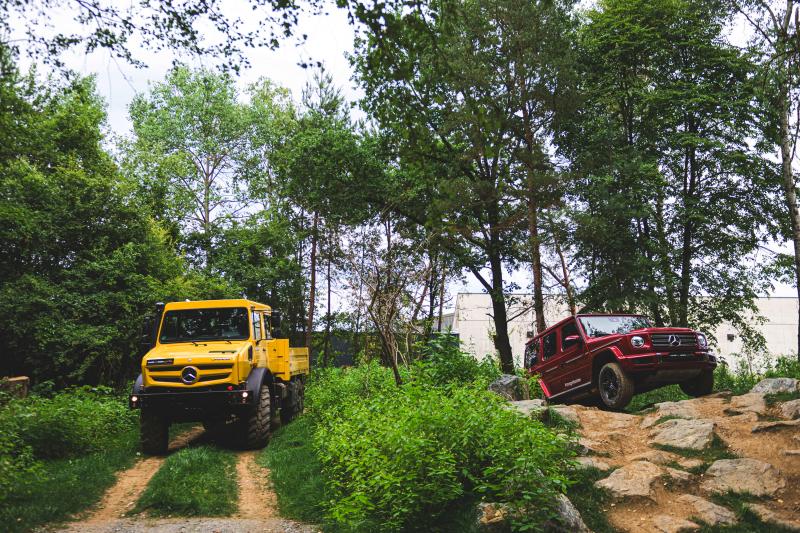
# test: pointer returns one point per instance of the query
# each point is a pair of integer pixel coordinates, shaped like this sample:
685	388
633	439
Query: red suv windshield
600	326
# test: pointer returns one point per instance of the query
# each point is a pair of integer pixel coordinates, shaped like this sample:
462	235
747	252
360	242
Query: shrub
331	389
785	367
400	459
70	424
444	362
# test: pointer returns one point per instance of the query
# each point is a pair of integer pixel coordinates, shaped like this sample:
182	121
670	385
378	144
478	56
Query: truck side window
549	345
532	354
257	325
568	331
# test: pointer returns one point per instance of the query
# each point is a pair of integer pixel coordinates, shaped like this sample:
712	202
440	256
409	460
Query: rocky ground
665	467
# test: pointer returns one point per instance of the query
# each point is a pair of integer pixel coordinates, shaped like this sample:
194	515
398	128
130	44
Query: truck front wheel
257	423
701	385
153	433
615	386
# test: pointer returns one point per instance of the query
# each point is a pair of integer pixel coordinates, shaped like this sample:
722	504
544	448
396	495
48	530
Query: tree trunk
567	285
441	297
327	357
313	285
536	260
501	342
790	190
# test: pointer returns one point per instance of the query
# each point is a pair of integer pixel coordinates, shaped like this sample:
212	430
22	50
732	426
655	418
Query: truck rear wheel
615	386
153	433
701	385
256	424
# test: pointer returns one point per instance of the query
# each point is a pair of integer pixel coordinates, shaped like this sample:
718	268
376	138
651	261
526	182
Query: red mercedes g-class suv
614	356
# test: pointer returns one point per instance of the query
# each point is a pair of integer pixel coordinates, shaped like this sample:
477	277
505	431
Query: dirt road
257	502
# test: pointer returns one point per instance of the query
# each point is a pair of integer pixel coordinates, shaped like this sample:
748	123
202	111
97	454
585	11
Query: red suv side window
566	331
549	345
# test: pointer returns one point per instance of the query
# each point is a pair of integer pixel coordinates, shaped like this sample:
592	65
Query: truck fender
257	377
138	385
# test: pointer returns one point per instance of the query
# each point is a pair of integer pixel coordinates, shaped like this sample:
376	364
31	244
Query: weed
717	450
641	402
748	521
197	481
772	399
668	417
590	500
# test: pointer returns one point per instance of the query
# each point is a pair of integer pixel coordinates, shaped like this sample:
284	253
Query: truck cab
611	357
218	362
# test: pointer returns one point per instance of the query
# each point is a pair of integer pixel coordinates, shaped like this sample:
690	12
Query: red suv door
573	359
548	367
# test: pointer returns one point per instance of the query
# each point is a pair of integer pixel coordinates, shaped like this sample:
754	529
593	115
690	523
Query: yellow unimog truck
217	362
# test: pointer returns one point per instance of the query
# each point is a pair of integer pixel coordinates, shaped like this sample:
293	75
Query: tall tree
201	151
449	81
776	45
673	201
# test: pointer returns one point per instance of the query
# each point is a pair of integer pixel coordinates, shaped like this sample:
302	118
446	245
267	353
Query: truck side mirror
275	319
147	339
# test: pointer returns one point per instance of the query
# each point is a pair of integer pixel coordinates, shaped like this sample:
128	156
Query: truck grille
667	340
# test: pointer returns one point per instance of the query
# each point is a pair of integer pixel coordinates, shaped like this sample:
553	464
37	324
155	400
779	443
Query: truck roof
210	304
579	315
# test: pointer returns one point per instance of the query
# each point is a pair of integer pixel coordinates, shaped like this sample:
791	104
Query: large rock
680	433
791	409
711	513
752	402
566	412
776	385
771	517
512	388
773	426
680	409
592	462
568	519
743	475
672	524
529	407
634	480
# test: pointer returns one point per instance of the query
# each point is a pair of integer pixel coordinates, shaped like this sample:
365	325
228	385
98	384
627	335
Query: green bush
784	367
331	389
400	459
444	362
69	424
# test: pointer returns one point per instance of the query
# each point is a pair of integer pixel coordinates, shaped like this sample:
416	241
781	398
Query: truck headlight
702	341
637	341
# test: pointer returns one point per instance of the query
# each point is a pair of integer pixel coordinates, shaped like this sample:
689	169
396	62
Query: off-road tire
153	433
615	387
295	402
701	385
255	428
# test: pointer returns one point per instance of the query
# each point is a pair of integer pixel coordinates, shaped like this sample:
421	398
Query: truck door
548	368
259	346
572	356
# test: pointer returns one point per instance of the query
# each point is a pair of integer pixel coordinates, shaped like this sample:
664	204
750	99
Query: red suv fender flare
601	358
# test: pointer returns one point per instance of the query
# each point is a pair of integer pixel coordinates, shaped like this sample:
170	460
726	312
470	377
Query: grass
644	401
68	486
295	471
748	522
197	481
772	399
590	500
716	451
668	417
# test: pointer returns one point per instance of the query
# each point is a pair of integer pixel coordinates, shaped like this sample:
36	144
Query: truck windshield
600	326
205	325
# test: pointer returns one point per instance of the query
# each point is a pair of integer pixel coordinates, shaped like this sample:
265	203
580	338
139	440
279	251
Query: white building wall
472	320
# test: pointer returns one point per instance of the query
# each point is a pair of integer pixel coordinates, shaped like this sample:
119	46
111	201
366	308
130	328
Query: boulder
752	402
773	426
776	385
711	513
682	409
672	524
566	412
512	388
658	457
529	407
771	517
743	475
592	462
680	433
678	476
791	409
569	520
634	480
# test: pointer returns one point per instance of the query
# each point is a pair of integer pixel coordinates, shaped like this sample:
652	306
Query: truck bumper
669	366
184	402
